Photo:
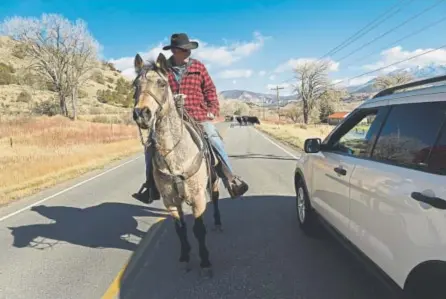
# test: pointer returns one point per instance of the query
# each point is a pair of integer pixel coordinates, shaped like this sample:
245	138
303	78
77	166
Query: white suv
379	181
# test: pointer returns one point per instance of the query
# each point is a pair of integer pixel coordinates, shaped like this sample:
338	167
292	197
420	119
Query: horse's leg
200	234
215	196
181	229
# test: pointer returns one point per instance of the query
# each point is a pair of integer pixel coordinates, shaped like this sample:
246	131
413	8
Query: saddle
202	141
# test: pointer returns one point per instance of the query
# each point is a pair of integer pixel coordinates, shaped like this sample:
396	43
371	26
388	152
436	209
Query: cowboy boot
237	189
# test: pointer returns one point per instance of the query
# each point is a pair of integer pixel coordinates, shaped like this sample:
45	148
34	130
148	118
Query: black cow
250	120
253	120
240	120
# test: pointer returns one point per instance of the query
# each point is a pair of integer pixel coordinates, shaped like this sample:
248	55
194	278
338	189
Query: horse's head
151	90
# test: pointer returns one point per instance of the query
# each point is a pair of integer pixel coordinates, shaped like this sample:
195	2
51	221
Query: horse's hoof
185	266
207	272
217	228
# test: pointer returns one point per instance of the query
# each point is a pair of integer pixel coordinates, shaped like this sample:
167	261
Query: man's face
180	54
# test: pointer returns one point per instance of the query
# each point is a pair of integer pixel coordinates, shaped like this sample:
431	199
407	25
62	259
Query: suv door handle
340	170
436	202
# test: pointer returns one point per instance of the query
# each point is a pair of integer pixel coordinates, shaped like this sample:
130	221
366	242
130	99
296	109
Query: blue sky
251	44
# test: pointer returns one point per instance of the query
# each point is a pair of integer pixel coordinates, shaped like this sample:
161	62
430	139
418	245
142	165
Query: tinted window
361	133
410	133
437	158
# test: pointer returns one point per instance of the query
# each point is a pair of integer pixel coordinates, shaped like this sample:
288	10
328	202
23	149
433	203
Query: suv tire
305	214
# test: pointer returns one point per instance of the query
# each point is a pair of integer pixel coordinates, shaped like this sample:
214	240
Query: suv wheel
305	214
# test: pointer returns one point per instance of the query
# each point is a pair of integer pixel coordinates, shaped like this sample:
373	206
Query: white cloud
396	54
231	74
234	82
272	77
214	55
262	73
293	63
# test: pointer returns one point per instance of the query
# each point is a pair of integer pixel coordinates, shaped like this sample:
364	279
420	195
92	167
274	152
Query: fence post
10	141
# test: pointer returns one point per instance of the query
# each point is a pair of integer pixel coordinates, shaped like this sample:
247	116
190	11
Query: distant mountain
418	72
256	98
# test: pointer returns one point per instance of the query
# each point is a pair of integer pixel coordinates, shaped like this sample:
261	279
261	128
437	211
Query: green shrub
24	97
110	80
6	68
49	85
98	77
19	51
82	94
6	79
48	107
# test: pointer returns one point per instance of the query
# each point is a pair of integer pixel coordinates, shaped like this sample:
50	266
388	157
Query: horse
182	169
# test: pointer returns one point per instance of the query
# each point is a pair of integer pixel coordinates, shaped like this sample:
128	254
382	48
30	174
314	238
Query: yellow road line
115	286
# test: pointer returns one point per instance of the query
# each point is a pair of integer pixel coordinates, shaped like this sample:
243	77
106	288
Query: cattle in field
245	120
252	120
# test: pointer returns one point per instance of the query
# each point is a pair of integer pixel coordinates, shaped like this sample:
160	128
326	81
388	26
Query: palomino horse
181	169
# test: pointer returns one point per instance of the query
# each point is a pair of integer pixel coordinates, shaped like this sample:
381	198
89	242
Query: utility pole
277	88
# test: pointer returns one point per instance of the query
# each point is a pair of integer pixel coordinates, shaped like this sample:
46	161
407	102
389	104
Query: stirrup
240	189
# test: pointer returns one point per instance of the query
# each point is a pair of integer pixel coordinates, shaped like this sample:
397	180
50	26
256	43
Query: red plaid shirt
201	93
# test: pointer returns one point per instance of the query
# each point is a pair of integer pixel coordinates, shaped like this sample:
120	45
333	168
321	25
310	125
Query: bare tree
61	51
312	82
386	81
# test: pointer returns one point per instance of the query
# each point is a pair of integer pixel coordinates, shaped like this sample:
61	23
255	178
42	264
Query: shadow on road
260	254
261	156
101	226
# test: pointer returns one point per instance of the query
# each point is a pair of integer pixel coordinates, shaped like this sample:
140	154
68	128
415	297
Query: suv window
357	135
437	158
409	134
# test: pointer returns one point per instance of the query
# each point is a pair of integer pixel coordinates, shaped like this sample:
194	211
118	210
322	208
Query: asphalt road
74	244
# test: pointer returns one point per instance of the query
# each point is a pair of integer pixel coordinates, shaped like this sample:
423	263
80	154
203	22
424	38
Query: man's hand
179	100
210	116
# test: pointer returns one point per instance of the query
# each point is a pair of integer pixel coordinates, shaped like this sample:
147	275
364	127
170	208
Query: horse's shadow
108	225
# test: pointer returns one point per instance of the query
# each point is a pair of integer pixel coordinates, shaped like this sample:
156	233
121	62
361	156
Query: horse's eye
162	83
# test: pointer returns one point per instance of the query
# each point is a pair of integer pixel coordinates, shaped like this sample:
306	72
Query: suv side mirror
312	145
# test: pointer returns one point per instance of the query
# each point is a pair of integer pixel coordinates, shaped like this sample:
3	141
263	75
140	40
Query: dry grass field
294	134
39	152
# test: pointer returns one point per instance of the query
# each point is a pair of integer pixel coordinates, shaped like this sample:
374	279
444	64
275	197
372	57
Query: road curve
73	245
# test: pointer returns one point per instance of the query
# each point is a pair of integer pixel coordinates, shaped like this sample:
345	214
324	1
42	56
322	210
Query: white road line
279	146
67	189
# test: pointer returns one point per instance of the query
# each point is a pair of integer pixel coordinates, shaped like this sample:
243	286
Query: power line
391	30
395	63
399	40
341	46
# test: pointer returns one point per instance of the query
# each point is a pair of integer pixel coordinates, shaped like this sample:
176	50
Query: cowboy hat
181	40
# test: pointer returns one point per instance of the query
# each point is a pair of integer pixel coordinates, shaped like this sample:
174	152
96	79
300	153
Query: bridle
160	103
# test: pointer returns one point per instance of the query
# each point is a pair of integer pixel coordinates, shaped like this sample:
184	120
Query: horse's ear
161	62
138	63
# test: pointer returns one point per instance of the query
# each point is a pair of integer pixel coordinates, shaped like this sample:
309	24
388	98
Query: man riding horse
196	94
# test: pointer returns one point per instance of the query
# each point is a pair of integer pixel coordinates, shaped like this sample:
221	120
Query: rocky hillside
22	92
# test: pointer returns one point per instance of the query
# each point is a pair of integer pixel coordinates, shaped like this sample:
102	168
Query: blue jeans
214	139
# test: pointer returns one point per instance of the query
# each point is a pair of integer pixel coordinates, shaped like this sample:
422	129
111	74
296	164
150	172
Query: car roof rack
391	90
